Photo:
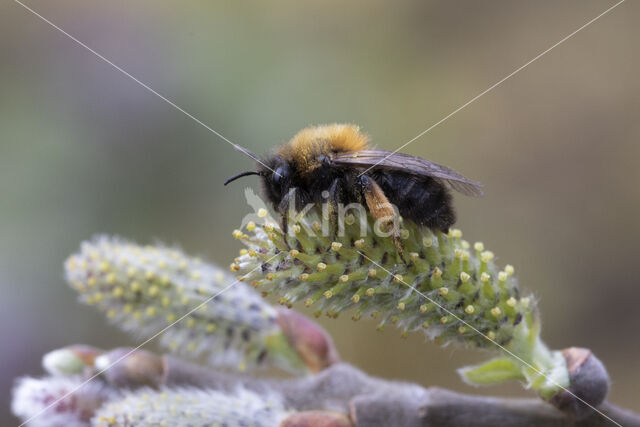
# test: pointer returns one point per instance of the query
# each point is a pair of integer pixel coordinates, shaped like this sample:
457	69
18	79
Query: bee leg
382	210
333	200
283	209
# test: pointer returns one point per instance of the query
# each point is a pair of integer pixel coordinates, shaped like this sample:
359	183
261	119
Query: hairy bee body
335	164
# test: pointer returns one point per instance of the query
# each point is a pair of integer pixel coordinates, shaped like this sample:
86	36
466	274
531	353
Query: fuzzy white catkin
144	289
193	407
35	399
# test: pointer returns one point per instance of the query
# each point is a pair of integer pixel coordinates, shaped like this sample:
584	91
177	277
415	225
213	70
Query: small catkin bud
229	327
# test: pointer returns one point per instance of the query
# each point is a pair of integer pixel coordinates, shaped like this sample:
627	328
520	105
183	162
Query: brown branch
367	400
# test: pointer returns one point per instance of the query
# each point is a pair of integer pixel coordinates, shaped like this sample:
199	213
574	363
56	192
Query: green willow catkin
144	289
440	284
192	407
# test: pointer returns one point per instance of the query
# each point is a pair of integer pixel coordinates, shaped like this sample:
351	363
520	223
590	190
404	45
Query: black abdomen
422	200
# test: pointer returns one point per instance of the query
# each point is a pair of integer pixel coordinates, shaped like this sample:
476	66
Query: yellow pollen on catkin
294	253
509	269
502	276
117	291
511	302
321	266
296	228
372	272
400	306
486	256
237	234
251	226
191	322
443	291
262	212
444	319
104	266
166	302
153	291
464	277
436	273
92	281
303	276
478	246
484	277
495	311
469	309
491	335
335	246
344	278
458	253
171	318
269	227
370	292
151	311
111	278
427	242
243	251
210	327
135	286
359	244
456	233
398	278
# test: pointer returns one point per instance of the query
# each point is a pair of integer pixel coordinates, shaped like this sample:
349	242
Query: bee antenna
240	175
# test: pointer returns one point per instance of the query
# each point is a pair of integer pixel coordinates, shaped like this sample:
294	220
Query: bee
335	164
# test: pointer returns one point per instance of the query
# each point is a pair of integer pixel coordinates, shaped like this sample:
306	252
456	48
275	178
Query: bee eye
280	174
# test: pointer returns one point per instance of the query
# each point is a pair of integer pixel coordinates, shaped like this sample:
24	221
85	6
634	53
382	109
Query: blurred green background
84	149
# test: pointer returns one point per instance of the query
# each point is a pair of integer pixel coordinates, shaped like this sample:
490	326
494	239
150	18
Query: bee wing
382	159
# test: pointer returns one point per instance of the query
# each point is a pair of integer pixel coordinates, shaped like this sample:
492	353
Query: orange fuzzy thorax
310	142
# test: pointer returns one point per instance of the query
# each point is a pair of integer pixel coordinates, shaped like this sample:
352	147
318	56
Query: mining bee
335	164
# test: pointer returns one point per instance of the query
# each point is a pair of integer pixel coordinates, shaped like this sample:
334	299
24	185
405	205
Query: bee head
276	176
